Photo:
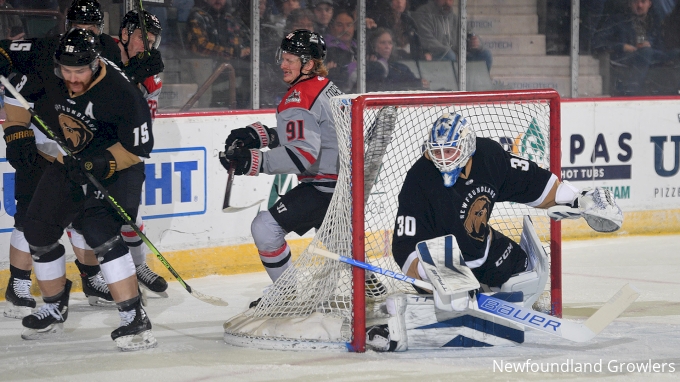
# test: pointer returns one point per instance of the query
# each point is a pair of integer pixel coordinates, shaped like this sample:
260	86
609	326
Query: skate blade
100	302
52	331
13	311
141	341
161	294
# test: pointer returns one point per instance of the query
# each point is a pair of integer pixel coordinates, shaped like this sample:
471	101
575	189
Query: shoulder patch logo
293	97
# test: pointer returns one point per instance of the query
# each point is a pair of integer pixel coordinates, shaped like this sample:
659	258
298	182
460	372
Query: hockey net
323	304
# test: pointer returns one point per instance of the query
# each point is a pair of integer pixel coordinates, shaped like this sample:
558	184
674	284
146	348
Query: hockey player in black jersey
452	190
108	136
35	57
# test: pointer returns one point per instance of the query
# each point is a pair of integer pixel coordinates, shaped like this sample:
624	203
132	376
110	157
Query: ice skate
134	332
151	281
96	290
48	321
20	303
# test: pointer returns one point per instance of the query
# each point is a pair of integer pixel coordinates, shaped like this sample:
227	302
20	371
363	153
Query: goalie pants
505	259
57	201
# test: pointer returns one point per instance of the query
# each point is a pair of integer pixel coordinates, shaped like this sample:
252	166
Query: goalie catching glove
253	136
596	205
246	161
21	148
101	167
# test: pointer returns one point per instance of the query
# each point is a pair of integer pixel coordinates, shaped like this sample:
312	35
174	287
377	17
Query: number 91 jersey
428	209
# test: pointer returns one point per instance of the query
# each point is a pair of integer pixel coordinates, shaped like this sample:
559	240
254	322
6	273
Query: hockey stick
142	26
226	207
205	298
528	317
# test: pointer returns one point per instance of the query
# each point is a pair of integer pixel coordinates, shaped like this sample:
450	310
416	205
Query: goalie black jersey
428	209
111	110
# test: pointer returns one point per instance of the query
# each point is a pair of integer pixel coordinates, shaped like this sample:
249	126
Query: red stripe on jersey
274	253
318	177
310	158
303	94
132	233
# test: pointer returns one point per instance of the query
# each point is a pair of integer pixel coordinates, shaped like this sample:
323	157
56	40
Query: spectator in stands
341	51
300	19
663	8
634	42
213	32
11	27
285	7
438	30
671	32
323	13
383	72
398	19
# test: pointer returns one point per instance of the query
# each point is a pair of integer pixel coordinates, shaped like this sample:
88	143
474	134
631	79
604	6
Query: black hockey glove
246	161
253	136
5	63
102	167
21	148
143	65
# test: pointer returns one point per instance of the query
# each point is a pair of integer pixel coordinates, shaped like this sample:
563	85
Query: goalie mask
451	143
85	12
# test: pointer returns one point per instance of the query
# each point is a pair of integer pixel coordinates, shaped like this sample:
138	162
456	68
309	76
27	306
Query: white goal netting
311	305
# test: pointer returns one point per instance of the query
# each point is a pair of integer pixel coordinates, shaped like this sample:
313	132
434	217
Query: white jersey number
518	163
141	133
406	225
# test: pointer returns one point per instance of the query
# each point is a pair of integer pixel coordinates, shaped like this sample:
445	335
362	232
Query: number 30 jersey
309	144
428	209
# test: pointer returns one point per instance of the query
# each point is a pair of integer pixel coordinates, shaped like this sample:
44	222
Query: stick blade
209	299
613	308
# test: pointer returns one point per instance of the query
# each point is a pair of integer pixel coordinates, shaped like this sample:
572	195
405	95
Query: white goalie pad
430	328
531	282
597	206
444	265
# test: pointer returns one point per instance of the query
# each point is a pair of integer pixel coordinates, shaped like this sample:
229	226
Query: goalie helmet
86	12
78	47
304	44
131	22
451	143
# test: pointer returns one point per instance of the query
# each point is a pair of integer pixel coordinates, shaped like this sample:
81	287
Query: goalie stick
569	330
124	215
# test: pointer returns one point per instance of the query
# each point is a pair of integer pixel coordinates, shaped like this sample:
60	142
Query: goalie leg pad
430	328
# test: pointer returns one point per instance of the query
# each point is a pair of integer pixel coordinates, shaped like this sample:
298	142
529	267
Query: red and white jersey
309	144
151	90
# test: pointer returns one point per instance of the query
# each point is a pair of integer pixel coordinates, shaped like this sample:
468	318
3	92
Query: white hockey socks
446	270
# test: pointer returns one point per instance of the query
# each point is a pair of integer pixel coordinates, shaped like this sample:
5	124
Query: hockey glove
21	148
596	205
102	167
247	161
253	136
142	66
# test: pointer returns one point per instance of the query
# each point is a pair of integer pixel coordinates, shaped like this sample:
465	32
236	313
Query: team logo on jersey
76	133
477	218
293	97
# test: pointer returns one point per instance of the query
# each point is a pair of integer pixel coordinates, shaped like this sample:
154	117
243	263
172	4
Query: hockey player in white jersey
304	142
447	200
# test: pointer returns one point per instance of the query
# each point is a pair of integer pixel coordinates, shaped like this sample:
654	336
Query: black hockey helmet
86	12
131	22
303	43
78	47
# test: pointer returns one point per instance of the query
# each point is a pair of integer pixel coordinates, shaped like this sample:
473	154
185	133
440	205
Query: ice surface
191	348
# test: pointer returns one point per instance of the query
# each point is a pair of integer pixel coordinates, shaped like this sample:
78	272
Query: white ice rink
191	348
